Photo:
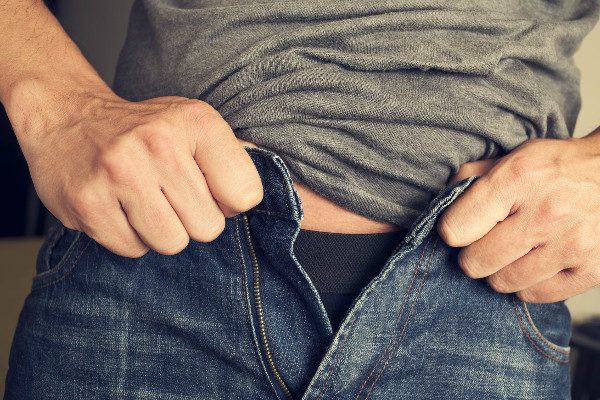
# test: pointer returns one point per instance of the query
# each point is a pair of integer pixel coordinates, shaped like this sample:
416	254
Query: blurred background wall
98	27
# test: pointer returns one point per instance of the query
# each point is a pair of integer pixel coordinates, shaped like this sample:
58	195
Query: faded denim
238	318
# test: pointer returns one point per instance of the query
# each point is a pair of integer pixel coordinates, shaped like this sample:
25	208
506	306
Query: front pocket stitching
405	327
533	342
338	357
53	238
65	272
48	269
556	347
397	320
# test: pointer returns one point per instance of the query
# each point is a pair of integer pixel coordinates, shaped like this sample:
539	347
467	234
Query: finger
227	211
565	284
228	169
246	143
97	212
506	242
538	265
152	216
478	167
474	213
114	232
186	190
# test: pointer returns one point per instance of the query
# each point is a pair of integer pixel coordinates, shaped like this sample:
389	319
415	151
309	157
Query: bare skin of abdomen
322	214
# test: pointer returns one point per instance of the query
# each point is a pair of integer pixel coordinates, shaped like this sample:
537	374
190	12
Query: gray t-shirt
373	104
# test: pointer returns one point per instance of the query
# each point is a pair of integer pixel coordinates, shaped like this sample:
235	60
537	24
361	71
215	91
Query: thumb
479	167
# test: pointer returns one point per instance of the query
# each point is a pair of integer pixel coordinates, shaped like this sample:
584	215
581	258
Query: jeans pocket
547	327
56	256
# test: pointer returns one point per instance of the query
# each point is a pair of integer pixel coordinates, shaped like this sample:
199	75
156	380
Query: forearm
40	66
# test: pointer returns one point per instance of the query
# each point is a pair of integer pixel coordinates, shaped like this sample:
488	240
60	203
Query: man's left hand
531	223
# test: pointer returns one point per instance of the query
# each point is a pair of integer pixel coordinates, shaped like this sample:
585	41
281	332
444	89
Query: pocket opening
532	332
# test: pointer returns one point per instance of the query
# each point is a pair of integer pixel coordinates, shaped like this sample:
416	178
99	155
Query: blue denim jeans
239	318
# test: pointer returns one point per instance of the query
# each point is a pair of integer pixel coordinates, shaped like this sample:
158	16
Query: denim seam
397	320
292	202
338	358
406	322
352	321
271	213
296	209
49	270
53	238
65	272
535	343
248	308
529	319
439	203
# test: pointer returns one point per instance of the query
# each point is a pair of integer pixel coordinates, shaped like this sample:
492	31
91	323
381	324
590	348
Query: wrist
35	105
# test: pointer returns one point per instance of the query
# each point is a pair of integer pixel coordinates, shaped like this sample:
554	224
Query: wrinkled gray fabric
372	104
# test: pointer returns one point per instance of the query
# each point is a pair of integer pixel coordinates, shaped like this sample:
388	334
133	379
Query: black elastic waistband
342	262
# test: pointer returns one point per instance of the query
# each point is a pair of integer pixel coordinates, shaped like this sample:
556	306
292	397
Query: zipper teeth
261	314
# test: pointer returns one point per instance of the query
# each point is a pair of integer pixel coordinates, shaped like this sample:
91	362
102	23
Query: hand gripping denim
239	318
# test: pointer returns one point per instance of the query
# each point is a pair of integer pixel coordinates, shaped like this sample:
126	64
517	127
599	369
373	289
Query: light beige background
98	26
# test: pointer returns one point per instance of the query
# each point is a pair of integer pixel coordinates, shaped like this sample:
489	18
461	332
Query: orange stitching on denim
65	272
417	292
528	336
338	359
535	330
398	318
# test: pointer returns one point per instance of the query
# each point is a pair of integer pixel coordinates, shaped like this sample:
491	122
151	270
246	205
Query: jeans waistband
281	198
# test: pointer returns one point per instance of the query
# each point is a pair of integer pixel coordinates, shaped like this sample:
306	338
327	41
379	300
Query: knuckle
529	297
446	231
85	200
210	231
518	168
176	248
201	114
124	248
469	266
114	161
248	198
194	108
582	242
500	284
159	141
552	210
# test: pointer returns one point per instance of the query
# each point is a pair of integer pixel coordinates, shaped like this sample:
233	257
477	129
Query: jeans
239	318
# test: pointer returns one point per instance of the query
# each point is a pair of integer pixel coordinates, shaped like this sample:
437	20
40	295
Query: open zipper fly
261	313
260	309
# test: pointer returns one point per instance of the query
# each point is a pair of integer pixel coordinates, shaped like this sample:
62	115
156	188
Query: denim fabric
239	318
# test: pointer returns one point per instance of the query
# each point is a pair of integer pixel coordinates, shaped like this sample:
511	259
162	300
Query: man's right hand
139	175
